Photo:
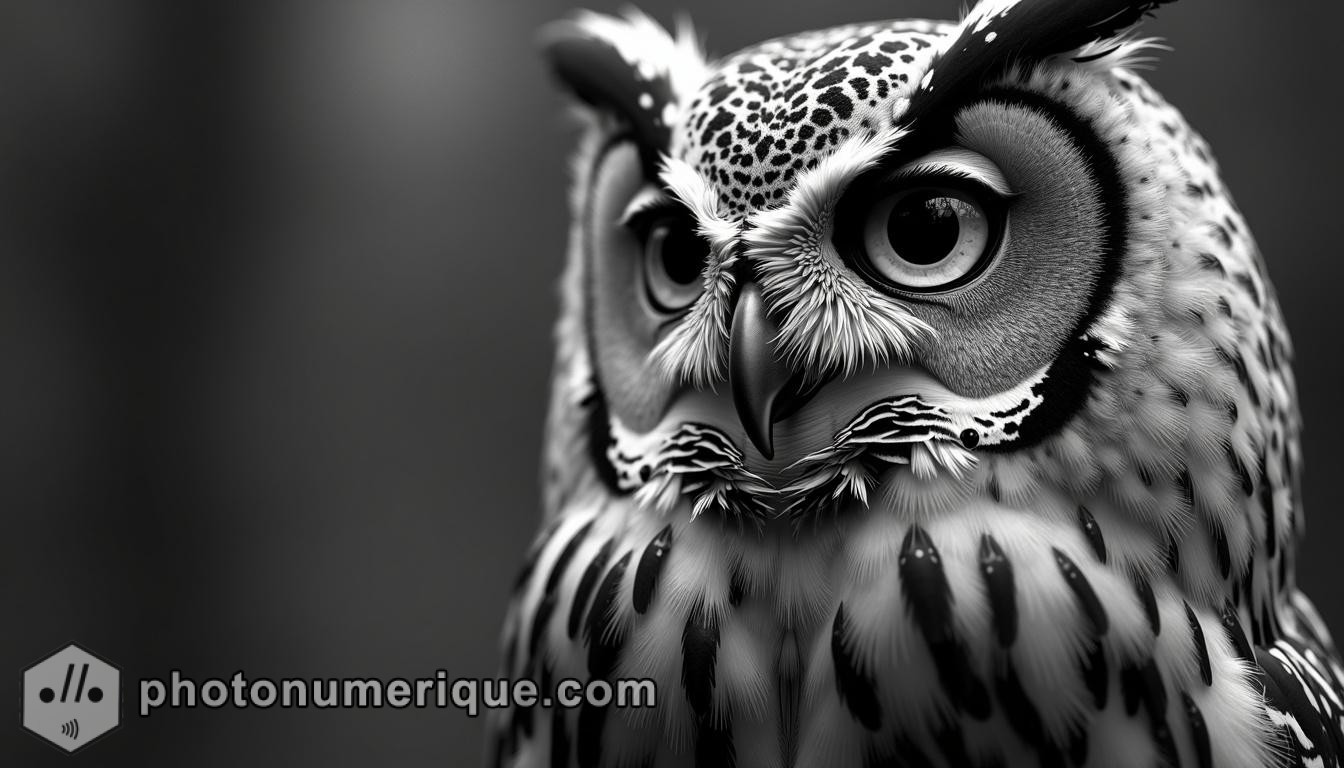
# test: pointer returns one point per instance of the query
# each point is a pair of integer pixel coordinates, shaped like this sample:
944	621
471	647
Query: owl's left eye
930	238
674	257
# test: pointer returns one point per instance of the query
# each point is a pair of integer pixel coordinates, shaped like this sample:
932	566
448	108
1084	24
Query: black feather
854	687
926	591
1221	546
998	573
1199	733
951	740
586	583
1018	707
604	636
1032	30
699	652
1201	648
1285	693
1078	746
714	747
1149	601
549	597
737	586
1082	589
1093	532
1235	633
559	739
592	721
1096	674
534	553
650	568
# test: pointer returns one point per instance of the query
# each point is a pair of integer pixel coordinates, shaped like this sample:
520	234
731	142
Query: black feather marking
566	554
1271	528
1096	675
1154	689
1235	633
1166	743
534	554
604	635
592	721
1131	687
1224	555
559	739
1018	707
1173	556
905	754
522	716
737	586
649	568
854	687
586	584
1093	532
539	622
1149	602
1078	746
926	591
1082	589
998	573
924	586
549	597
1284	692
714	747
1201	648
1143	684
951	740
699	652
521	721
1199	733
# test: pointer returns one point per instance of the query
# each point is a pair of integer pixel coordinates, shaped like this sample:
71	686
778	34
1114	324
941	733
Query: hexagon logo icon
71	698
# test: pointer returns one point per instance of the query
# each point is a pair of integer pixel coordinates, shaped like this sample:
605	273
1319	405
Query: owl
920	399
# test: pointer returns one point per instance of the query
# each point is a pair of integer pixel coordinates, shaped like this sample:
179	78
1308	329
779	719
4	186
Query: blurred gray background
275	299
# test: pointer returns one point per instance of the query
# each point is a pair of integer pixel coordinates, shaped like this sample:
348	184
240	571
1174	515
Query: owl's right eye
674	260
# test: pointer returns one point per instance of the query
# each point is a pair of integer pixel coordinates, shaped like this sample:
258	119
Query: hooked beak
754	373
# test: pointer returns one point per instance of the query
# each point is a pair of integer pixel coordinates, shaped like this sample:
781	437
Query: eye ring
929	236
672	261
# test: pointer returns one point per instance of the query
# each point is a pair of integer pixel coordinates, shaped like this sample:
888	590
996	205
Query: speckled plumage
1046	516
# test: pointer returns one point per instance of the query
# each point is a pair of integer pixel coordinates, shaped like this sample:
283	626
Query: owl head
917	264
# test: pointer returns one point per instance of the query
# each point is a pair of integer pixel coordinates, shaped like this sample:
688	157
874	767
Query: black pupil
683	254
923	227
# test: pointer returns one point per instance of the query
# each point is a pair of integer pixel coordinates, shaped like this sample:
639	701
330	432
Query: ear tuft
629	66
998	34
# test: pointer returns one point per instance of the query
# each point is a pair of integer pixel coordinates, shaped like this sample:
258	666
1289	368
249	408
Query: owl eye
674	258
930	238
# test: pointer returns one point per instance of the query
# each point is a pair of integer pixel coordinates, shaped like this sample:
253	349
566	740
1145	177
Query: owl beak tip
755	374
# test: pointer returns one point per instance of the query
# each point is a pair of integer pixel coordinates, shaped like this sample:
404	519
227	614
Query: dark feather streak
699	651
1093	532
1201	648
1082	590
650	568
1199	733
998	573
854	687
586	584
604	635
